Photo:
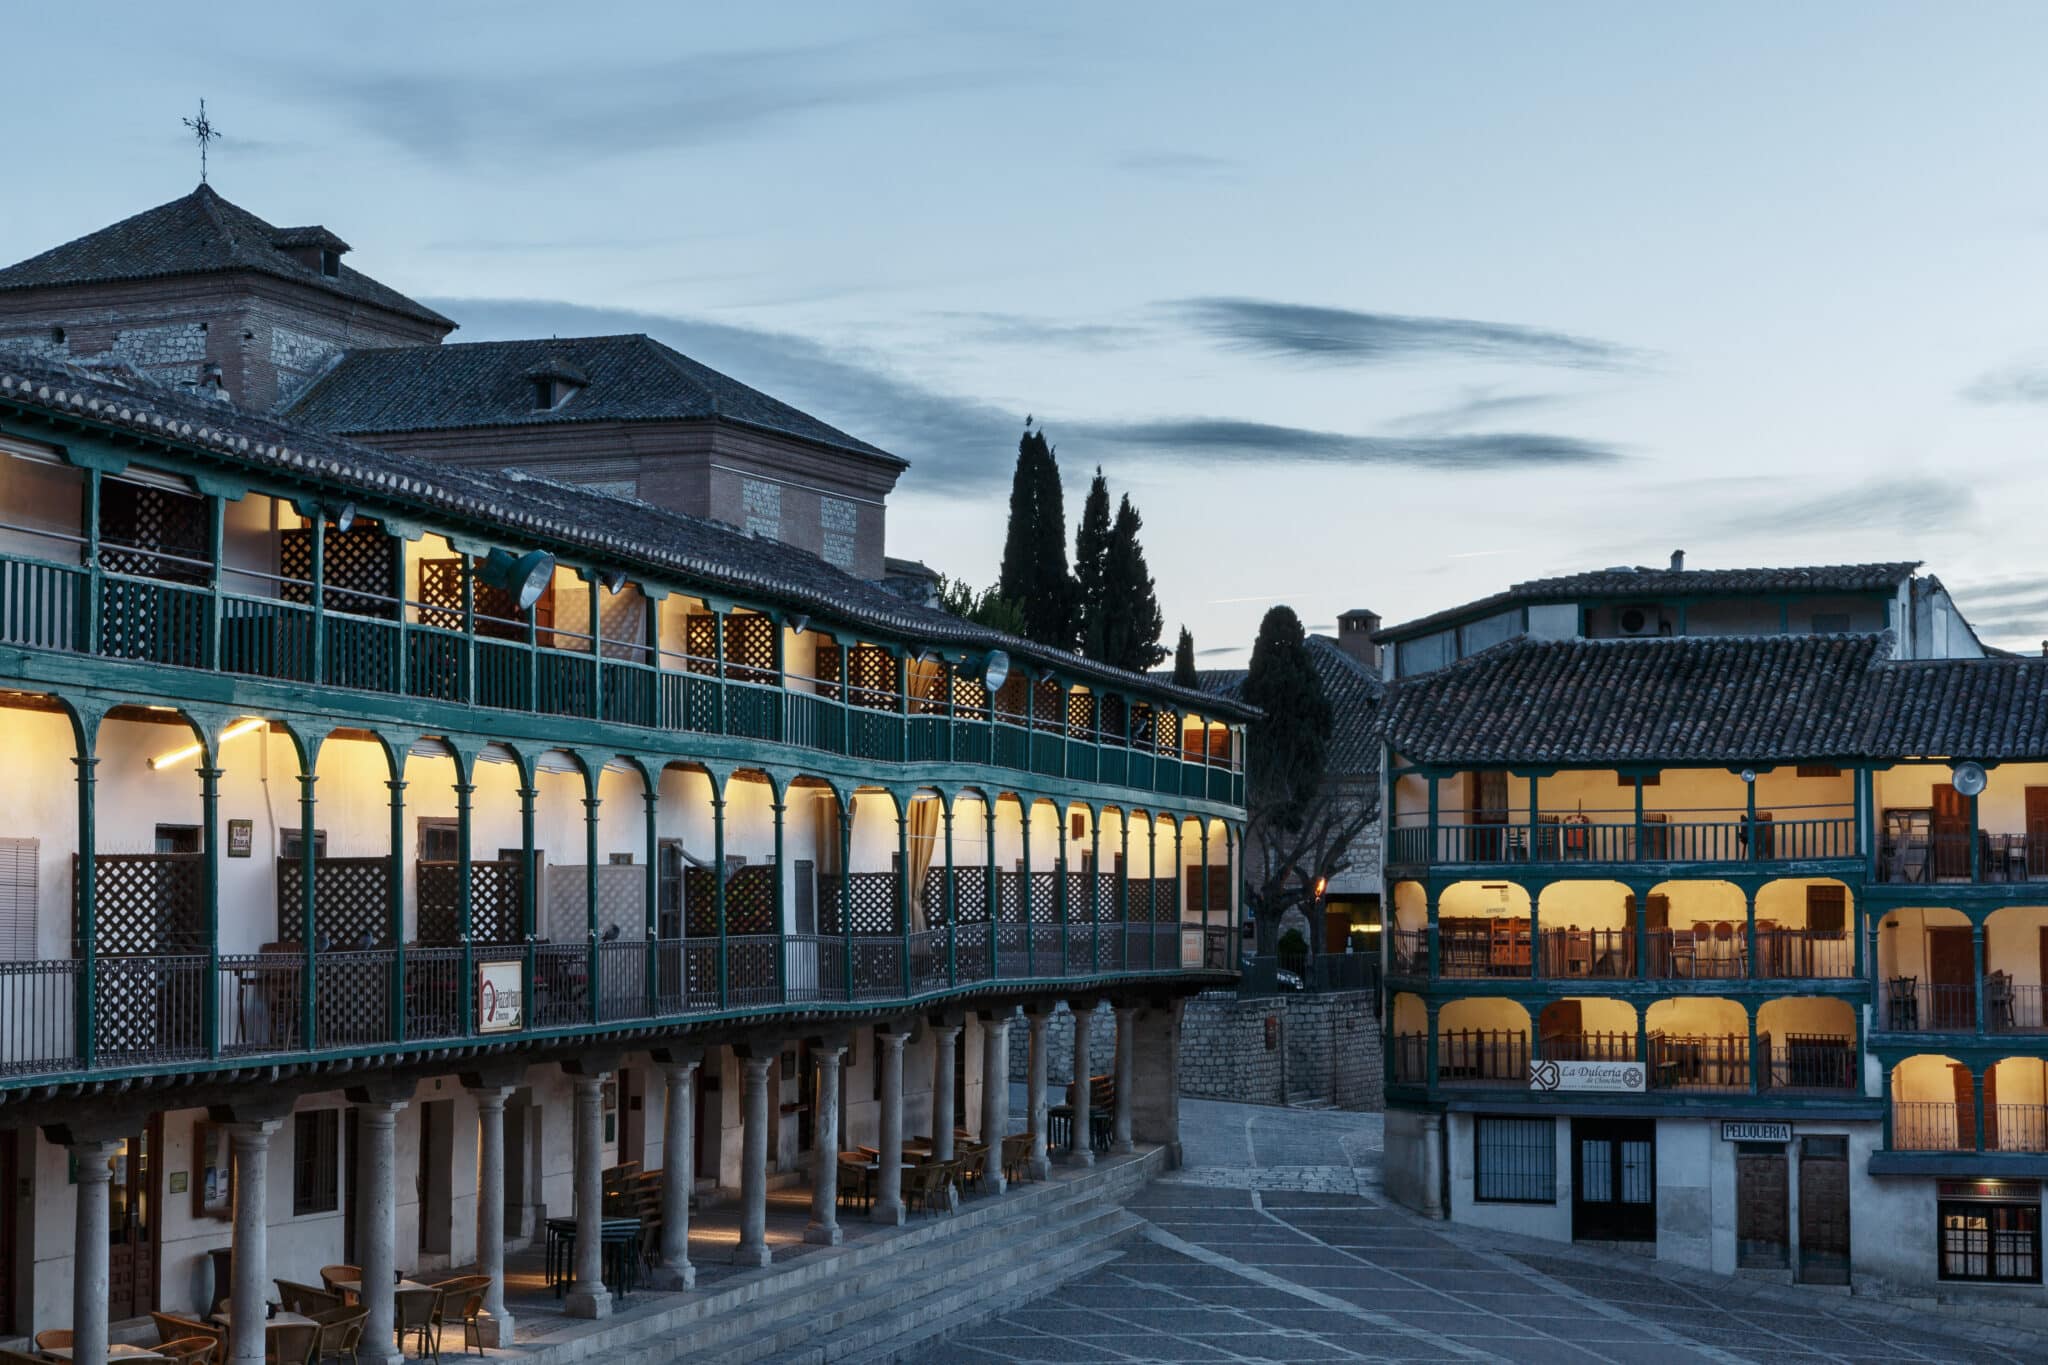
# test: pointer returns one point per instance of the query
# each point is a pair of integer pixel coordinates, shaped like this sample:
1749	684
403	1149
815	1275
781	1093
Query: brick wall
1325	1046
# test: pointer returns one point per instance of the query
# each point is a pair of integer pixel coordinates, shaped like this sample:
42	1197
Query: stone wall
1323	1046
1059	1043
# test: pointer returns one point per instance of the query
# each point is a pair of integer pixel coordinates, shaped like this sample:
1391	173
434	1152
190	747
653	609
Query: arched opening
1484	929
1806	929
973	898
355	886
1586	1029
2016	1105
1806	1042
39	865
2016	967
1698	1043
1934	1105
1410	1040
1588	930
1482	1041
1927	970
1697	931
1408	945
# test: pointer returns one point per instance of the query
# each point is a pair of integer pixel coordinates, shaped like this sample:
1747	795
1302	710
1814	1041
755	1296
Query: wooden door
132	1225
1991	1108
1966	1105
632	1116
1824	1210
1558	1029
2037	834
1763	1225
1951	831
1490	808
1952	970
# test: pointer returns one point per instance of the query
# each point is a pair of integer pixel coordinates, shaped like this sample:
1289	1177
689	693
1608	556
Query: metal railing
1485	1056
38	1016
1572	952
1575	839
1910	1005
1710	1062
1945	856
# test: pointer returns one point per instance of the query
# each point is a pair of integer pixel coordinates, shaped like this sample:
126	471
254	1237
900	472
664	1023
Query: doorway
1950	828
521	1126
1763	1226
1952	972
710	1115
1614	1192
132	1225
1824	1210
432	1177
9	1141
632	1116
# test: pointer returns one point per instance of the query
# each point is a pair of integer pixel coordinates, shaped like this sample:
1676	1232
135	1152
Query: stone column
246	1299
995	1094
824	1226
678	1174
1034	1089
1082	1153
1126	1025
377	1225
753	1245
945	1040
494	1328
889	1179
89	1283
1155	1088
587	1296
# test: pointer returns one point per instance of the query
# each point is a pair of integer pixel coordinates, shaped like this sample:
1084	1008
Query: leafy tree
1131	621
1091	551
1184	661
986	607
1034	573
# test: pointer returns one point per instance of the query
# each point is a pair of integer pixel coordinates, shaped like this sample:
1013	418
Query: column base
1080	1156
683	1276
582	1302
1124	1147
889	1215
756	1255
369	1356
494	1329
1040	1166
995	1183
824	1235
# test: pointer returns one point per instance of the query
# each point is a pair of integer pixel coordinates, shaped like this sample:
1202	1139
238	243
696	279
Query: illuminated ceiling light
525	576
235	731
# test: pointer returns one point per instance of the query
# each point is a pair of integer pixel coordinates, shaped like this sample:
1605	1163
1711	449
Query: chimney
1678	561
1354	636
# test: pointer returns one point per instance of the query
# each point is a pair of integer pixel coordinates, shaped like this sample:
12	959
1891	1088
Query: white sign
1625	1077
1756	1132
500	996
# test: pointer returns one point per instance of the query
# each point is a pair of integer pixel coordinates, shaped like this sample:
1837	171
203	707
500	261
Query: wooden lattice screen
1010	698
1081	712
498	615
356	565
873	896
749	901
141	525
970	698
928	689
621	900
749	646
1112	718
1010	897
1048	707
493	903
1045	905
146	904
825	667
351	902
1144	723
1168	727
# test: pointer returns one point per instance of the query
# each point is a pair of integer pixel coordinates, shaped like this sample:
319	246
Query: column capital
244	1132
891	1038
757	1064
945	1031
490	1097
92	1155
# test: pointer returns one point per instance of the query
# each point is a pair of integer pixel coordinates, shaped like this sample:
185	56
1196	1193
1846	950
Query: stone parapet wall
1323	1046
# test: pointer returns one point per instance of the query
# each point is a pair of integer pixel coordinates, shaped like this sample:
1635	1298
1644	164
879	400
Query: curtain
924	838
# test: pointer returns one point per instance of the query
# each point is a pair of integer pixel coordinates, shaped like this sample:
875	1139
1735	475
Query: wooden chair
191	1350
331	1275
1016	1155
172	1327
416	1311
306	1299
973	1163
466	1293
292	1343
341	1334
54	1339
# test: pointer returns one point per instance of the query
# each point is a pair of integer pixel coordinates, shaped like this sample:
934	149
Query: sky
1364	305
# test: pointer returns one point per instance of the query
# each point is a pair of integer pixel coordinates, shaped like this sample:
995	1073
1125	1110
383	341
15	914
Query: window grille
315	1164
1514	1161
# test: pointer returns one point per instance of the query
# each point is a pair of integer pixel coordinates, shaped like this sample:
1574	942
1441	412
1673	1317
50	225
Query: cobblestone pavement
1274	1244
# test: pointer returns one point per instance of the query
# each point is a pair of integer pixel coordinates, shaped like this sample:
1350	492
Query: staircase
878	1298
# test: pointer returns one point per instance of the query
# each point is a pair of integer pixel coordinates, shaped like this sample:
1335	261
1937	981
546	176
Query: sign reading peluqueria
500	996
1732	1131
1624	1077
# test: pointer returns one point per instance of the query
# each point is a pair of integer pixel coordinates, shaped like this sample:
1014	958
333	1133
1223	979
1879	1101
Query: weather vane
204	132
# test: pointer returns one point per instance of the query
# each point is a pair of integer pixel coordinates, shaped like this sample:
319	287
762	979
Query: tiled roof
631	378
1681	700
1352	690
1963	708
581	521
1651	583
200	234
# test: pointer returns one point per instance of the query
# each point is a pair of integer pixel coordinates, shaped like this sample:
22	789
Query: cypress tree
1091	550
1131	619
1034	573
1289	744
1184	661
1016	577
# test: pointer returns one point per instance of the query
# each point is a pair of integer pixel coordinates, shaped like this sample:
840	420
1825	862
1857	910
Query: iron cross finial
204	133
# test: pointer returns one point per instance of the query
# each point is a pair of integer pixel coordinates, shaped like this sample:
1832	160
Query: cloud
1181	165
1908	504
2015	384
1341	336
1476	404
1018	329
575	114
1229	441
1220	650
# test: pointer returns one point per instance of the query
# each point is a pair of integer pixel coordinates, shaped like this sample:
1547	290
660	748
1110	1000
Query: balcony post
1429	1043
465	910
1977	957
596	652
777	808
1749	789
1885	1090
89	616
1205	893
209	898
718	886
1976	858
1641	896
317	652
87	944
902	657
1858	920
1027	806
995	904
533	658
1536	971
1180	892
1433	948
846	882
1638	844
215	535
1059	889
1435	851
469	688
1977	1097
845	706
1643	1039
1755	964
1123	891
400	634
394	880
529	894
718	662
650	978
1095	880
309	871
952	901
903	893
593	972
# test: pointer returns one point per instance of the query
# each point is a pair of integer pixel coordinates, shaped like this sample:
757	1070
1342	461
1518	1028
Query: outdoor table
117	1351
355	1287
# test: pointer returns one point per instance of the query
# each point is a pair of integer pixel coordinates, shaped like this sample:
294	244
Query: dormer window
555	383
330	262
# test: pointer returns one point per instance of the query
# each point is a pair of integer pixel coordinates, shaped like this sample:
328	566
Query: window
18	899
439	840
290	843
1827	909
1514	1161
177	839
1991	1231
315	1164
330	262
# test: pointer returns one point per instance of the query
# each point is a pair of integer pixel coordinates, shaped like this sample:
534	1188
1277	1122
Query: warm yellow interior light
239	728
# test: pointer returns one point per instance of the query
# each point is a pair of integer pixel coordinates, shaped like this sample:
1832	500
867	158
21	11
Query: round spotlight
525	576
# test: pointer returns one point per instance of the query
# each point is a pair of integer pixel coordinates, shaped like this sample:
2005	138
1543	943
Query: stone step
985	1308
750	1314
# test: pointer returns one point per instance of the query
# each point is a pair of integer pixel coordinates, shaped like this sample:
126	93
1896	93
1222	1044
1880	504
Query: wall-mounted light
614	580
524	576
235	731
342	514
799	623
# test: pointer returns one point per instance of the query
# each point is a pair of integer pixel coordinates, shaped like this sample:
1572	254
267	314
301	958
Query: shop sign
1755	1132
1617	1077
500	996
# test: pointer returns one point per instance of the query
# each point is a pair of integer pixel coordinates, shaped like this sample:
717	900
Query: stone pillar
678	1174
995	1096
1126	1023
587	1296
377	1224
247	1297
1082	1152
1040	1163
889	1179
494	1328
753	1246
945	1041
824	1226
89	1284
1155	1088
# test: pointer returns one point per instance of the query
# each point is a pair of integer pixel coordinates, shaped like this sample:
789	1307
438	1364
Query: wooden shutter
1827	909
18	864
